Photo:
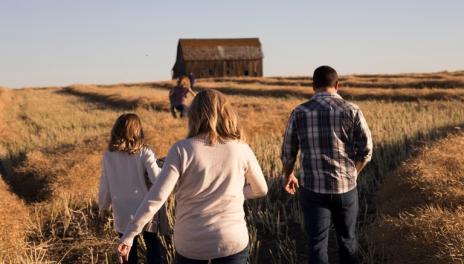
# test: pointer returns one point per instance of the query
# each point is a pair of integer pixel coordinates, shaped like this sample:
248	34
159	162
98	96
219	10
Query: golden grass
14	222
50	173
418	80
422	203
121	97
14	215
235	87
56	137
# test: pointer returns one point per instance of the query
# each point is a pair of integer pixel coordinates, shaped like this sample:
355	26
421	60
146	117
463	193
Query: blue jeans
154	249
238	258
318	210
182	109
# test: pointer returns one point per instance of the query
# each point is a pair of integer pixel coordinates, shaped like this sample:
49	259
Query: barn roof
221	49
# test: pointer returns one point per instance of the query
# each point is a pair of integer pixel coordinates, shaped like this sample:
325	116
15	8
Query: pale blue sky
59	42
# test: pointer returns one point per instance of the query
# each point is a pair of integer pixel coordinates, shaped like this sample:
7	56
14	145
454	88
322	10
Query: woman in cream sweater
214	171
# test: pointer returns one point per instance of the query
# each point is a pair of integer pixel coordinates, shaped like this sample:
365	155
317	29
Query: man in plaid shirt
335	144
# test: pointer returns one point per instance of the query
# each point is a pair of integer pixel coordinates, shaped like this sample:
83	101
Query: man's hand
123	251
291	184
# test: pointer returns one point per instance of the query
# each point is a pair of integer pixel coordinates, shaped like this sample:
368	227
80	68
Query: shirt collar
325	94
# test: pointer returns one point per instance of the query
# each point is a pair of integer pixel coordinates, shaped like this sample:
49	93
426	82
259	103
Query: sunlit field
52	141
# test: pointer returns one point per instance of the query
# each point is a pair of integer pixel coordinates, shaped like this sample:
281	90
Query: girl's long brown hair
127	134
211	113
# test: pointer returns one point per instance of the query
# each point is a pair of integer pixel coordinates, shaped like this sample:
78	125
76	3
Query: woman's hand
123	251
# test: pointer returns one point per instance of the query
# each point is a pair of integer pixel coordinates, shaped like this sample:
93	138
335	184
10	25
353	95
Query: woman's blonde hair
127	134
183	82
211	113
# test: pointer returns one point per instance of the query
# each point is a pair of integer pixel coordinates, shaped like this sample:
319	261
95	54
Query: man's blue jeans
318	210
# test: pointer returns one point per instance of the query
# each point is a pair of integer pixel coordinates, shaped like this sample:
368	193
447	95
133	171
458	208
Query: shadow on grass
423	82
387	158
24	184
347	94
31	175
115	101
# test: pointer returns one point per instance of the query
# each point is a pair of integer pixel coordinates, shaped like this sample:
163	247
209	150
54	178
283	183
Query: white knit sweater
210	220
123	183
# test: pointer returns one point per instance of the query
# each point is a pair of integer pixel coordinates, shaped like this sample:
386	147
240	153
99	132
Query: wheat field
52	140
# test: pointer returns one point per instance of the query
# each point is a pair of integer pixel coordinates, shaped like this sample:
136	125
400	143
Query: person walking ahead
178	96
335	144
129	168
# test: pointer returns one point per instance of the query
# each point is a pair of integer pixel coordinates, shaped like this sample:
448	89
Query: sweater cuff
127	239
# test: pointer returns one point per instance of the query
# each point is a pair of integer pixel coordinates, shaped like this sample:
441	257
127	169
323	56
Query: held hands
123	251
291	184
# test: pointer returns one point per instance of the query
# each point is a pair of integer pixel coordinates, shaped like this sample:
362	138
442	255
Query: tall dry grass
14	225
14	214
422	202
56	137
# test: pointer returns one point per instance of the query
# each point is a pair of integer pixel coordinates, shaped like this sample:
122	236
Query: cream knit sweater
123	183
212	183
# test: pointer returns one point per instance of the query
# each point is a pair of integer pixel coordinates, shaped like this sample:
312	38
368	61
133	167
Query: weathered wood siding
229	68
219	58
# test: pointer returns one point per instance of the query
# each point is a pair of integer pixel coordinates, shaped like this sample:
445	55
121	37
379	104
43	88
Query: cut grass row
394	81
53	127
14	214
260	89
422	202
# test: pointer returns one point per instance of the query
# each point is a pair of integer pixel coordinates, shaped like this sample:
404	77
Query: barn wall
179	66
228	68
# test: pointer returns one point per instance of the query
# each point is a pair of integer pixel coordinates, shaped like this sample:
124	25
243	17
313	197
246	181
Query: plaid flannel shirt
332	135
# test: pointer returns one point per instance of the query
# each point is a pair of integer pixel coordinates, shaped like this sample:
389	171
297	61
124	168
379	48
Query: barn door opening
229	68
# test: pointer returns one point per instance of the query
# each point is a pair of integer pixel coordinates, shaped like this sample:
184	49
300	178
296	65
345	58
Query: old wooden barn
219	58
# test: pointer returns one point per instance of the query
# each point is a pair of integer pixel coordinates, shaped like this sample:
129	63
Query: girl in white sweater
214	171
129	167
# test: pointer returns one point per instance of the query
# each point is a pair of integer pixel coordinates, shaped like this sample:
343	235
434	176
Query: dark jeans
318	210
239	258
181	108
154	249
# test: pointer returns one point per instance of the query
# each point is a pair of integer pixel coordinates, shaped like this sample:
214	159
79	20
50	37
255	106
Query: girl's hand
123	251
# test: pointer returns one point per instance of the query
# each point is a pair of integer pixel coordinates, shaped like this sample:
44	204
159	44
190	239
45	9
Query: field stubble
54	139
430	219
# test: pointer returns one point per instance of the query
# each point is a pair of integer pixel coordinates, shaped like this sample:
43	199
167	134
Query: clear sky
59	42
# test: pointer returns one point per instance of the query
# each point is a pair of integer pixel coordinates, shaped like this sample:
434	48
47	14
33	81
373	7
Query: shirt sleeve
156	196
151	166
104	196
257	186
362	138
290	145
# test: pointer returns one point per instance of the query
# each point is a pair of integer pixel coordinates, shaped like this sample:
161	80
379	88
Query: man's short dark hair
324	76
